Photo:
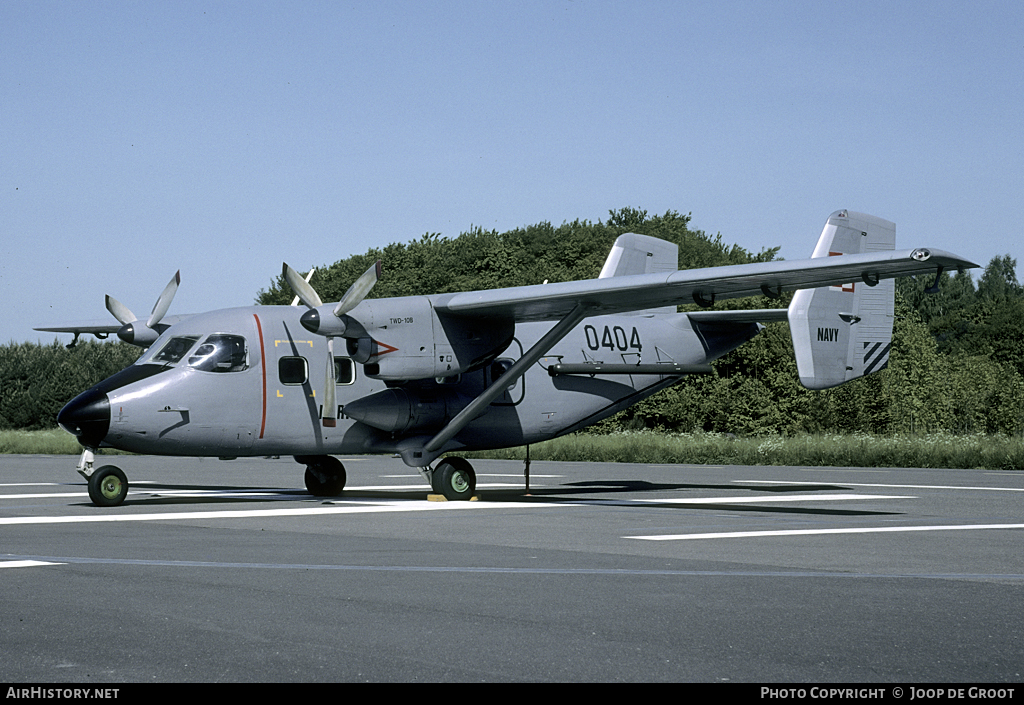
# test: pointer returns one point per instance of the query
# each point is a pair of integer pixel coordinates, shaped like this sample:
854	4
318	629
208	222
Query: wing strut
540	348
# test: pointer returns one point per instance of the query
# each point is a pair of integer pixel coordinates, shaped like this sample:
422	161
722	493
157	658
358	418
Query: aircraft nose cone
87	416
310	320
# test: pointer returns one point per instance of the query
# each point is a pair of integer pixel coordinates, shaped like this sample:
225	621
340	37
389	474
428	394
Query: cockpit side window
173	350
221	353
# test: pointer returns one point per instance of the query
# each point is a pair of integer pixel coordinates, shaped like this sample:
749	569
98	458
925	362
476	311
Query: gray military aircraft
425	376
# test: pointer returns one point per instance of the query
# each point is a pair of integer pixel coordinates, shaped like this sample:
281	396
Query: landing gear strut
325	475
455	479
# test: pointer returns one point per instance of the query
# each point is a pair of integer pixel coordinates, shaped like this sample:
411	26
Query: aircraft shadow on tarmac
153	494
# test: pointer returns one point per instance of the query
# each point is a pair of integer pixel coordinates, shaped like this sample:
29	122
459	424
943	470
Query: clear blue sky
221	138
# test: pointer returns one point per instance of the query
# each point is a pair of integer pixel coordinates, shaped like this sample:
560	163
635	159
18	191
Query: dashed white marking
25	564
817	532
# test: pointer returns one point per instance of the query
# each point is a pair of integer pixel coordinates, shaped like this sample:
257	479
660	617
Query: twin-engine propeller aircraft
424	376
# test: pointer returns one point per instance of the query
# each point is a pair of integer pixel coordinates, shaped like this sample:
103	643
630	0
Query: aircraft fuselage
250	382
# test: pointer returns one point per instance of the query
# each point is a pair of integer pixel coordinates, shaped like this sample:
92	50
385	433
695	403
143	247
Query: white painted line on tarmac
42	495
31	484
114	515
865	484
25	564
284	493
821	532
772	499
281	493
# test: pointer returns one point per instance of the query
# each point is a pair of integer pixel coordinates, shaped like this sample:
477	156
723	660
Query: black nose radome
87	416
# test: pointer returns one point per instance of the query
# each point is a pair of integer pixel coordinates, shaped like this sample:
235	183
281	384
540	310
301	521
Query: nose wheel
108	486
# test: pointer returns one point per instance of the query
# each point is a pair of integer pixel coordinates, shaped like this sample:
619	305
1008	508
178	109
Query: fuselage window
174	349
344	370
292	370
500	367
221	353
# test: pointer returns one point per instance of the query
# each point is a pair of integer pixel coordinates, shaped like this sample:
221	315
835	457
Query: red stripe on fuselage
263	364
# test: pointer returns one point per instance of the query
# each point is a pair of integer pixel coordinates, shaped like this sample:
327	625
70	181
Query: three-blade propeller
330	328
133	330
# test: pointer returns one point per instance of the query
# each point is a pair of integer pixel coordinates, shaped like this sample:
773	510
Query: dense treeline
957	363
37	380
487	259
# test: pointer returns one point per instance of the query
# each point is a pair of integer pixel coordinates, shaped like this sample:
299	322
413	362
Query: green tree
486	259
37	380
999	280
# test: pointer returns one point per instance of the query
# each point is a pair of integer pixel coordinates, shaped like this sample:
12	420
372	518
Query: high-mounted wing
703	286
100	328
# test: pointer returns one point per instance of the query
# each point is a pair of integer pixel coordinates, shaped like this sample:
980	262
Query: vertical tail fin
845	332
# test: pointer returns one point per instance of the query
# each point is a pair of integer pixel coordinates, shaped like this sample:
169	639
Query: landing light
921	254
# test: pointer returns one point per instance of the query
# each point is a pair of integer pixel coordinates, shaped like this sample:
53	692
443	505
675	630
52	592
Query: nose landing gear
108	485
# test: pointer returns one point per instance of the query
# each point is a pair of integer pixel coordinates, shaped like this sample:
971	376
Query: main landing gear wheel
325	475
108	486
455	479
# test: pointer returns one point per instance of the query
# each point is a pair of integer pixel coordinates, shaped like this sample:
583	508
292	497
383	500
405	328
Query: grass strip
936	450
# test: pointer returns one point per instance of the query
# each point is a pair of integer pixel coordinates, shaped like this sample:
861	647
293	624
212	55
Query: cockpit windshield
221	353
172	351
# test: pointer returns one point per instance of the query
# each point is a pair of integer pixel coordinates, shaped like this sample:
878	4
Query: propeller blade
301	287
358	291
295	301
330	415
164	302
121	312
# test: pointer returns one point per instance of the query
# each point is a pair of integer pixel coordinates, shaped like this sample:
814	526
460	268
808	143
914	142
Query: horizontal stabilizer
759	315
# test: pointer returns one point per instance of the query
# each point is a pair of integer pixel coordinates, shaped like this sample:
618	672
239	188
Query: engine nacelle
399	410
406	339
